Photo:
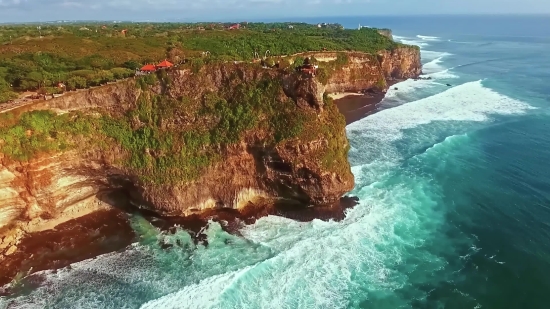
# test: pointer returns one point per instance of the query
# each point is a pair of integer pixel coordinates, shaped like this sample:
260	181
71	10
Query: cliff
354	72
387	33
197	138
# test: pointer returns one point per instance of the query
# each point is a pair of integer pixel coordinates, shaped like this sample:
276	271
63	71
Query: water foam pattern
381	255
375	140
361	261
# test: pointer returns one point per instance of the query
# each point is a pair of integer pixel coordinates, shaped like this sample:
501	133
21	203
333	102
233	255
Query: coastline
356	106
109	230
76	240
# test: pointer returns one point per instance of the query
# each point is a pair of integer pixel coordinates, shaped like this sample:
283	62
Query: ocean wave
428	38
414	42
204	294
464	103
443	74
409	87
467	102
410	41
433	66
431	55
328	264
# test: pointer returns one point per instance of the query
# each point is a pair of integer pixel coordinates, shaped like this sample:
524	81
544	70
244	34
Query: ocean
454	188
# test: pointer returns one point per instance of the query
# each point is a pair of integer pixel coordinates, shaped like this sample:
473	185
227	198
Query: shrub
196	65
120	73
323	75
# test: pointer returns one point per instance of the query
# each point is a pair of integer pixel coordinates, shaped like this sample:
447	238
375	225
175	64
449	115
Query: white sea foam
414	42
428	38
409	86
419	40
467	102
201	295
410	41
433	66
443	74
464	103
431	55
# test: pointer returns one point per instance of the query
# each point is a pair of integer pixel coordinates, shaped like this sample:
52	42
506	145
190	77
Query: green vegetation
87	55
334	157
161	150
40	132
6	93
381	83
327	68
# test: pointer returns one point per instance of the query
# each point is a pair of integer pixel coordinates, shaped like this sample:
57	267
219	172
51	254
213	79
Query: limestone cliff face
365	71
115	94
387	33
39	194
401	63
48	190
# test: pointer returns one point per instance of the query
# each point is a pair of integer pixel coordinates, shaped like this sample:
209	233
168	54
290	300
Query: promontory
180	119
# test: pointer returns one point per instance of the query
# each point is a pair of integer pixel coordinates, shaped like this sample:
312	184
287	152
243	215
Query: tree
35	77
120	73
132	65
76	82
6	93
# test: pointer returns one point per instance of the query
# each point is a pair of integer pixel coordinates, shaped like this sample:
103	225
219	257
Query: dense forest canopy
81	55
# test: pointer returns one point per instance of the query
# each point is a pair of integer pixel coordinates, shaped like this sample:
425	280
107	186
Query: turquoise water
454	187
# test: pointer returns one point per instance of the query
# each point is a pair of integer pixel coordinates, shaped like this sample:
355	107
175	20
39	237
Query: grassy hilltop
86	55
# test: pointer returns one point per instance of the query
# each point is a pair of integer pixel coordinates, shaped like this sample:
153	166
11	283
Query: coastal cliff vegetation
168	140
88	55
230	131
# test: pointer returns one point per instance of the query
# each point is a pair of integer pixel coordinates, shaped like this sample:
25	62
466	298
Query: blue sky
46	10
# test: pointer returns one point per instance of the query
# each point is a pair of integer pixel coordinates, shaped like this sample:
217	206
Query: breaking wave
428	38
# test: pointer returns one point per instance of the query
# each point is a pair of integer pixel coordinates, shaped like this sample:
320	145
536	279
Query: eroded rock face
305	91
365	71
117	95
42	193
401	63
48	190
39	194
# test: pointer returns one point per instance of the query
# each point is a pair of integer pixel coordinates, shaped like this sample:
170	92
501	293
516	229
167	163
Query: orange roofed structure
164	64
148	68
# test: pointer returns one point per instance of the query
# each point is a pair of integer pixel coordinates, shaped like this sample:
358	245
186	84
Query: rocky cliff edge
181	143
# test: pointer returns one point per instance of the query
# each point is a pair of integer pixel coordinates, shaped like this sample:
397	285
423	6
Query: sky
235	10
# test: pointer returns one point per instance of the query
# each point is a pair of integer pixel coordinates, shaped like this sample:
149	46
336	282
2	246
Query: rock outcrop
401	63
387	33
45	191
366	71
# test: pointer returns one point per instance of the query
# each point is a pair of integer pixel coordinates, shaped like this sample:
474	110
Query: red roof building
164	64
235	26
148	68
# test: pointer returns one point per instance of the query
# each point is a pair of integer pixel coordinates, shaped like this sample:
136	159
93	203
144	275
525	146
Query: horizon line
268	19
